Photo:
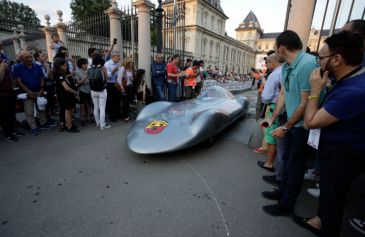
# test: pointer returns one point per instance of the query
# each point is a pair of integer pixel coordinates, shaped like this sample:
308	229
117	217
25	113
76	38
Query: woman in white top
99	96
125	81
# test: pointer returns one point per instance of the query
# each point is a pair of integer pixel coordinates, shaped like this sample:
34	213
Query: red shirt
172	68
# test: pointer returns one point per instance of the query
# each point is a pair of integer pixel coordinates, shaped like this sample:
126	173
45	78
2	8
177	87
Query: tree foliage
80	9
18	12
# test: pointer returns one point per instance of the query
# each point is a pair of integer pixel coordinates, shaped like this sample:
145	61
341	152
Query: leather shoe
274	195
271	179
276	210
303	222
262	165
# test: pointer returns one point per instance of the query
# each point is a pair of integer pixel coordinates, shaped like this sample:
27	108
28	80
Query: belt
172	81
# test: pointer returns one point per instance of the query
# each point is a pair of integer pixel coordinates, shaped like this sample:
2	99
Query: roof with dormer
250	22
214	3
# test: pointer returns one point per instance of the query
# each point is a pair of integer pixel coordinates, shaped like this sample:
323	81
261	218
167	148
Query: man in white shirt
114	95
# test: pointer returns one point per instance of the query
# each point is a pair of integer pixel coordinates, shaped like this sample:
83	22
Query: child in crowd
84	90
56	44
67	91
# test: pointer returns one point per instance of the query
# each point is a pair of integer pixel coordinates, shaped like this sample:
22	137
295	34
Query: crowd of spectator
311	110
307	98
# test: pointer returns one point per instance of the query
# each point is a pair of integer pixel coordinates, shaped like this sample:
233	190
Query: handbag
124	81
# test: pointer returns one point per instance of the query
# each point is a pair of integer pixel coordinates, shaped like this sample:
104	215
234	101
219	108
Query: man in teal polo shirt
294	94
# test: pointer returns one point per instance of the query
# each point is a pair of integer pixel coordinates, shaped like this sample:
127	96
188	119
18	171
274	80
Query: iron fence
90	32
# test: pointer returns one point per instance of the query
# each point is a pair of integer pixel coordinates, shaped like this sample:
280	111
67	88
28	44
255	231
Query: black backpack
96	78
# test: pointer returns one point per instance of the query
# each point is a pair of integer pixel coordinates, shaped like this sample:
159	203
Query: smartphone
10	63
265	124
115	41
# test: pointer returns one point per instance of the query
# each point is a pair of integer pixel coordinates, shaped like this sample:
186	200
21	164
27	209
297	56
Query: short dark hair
270	52
349	45
81	61
175	56
189	60
290	40
90	52
196	63
358	26
98	60
36	55
201	61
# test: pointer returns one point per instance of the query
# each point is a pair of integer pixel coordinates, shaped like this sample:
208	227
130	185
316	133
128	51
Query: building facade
206	38
249	32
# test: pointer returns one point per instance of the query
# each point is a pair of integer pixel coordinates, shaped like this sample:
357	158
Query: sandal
61	127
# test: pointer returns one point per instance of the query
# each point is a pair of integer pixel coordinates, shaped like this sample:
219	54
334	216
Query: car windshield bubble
214	92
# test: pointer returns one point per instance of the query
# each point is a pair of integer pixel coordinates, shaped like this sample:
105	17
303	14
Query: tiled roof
250	18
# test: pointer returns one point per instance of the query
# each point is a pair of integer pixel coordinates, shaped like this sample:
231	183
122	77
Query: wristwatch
285	128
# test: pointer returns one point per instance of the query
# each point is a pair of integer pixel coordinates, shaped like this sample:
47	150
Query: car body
165	126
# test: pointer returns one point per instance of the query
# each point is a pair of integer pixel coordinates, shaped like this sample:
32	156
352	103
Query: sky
270	13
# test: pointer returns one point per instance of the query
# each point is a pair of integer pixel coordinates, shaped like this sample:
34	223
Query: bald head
26	57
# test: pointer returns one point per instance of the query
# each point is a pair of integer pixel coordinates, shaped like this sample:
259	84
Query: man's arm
315	117
3	68
299	112
279	106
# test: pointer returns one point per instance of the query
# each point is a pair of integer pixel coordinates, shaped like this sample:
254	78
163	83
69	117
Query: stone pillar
15	40
300	19
23	44
144	36
48	30
61	28
115	27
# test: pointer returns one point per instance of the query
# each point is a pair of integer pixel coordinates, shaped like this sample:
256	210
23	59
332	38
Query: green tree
18	12
81	9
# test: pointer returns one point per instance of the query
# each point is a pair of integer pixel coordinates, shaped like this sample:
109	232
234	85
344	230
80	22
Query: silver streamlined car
165	126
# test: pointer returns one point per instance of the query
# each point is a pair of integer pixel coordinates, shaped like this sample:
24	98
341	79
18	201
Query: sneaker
105	127
311	175
98	125
35	131
11	139
260	150
83	123
315	192
358	224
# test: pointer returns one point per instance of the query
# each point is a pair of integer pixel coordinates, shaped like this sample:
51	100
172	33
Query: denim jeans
282	151
295	160
99	101
172	91
159	89
339	166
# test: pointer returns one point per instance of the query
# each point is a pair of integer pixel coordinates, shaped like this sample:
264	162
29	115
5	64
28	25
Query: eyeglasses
319	59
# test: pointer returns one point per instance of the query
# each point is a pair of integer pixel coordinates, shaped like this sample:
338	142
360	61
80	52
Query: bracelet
313	97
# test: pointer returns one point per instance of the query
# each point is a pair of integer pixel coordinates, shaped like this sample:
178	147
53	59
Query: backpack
96	78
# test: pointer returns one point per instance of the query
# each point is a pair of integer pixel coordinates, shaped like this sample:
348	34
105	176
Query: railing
8	24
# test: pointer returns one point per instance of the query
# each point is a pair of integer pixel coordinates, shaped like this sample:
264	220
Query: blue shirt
272	89
30	77
158	73
110	65
296	80
345	102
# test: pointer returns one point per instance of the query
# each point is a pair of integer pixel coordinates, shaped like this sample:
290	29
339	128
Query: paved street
90	184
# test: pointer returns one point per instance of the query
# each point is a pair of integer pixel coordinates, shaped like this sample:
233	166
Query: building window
259	46
267	47
250	24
